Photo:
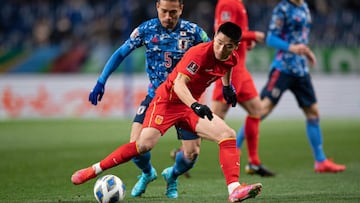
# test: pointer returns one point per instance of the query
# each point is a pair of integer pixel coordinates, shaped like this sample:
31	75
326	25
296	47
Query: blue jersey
164	49
290	23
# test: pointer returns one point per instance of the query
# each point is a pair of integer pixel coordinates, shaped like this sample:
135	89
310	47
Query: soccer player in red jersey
247	95
176	103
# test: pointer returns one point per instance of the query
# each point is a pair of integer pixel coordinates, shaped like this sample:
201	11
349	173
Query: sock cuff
226	140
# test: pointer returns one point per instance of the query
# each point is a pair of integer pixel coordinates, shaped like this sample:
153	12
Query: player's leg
149	137
218	131
251	130
184	161
305	95
142	161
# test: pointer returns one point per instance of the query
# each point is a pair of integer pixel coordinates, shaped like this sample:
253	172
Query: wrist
193	105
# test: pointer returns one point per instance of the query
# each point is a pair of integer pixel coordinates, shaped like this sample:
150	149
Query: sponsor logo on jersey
192	67
159	119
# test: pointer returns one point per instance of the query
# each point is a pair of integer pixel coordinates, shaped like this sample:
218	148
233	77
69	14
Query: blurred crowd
85	26
37	22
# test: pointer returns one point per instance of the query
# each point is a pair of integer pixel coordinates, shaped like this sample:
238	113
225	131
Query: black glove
202	110
230	95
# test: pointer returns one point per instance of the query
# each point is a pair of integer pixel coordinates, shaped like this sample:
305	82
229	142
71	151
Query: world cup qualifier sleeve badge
192	67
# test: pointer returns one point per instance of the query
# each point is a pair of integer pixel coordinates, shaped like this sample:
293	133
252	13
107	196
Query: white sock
97	168
232	186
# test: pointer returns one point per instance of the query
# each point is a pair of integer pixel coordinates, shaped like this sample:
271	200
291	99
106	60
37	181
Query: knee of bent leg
193	154
144	147
228	133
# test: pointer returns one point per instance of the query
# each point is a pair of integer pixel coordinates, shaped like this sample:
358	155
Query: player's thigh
135	131
304	92
276	85
148	139
252	106
219	108
214	130
245	87
139	118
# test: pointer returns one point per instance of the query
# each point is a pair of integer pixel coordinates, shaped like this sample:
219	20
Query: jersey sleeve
248	36
273	38
277	21
134	41
191	62
202	35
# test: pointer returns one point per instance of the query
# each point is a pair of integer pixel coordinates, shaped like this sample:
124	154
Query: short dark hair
231	30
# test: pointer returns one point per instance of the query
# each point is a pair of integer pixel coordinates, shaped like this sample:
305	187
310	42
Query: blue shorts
182	134
279	82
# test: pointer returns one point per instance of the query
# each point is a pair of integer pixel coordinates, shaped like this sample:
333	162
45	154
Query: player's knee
144	147
229	133
192	155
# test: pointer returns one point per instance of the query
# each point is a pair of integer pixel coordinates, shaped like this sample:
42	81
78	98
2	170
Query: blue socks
240	137
315	138
182	164
143	162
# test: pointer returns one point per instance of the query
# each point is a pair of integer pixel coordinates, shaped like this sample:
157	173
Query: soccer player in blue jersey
166	38
289	33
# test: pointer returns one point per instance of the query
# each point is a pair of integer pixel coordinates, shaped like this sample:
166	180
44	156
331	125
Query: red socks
122	154
252	139
229	160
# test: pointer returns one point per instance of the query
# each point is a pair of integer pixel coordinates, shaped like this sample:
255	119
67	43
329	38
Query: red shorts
162	115
243	83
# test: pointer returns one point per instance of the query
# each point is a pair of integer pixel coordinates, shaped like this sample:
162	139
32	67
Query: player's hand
259	36
202	110
97	93
230	95
311	57
299	49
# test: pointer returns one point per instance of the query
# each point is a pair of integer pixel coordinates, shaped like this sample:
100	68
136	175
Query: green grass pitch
39	156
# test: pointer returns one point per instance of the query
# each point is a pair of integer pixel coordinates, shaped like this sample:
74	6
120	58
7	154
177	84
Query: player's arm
300	49
182	91
184	94
112	64
134	41
229	92
226	78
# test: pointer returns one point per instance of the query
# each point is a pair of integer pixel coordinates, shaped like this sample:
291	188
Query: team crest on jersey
159	119
225	16
134	34
192	67
183	44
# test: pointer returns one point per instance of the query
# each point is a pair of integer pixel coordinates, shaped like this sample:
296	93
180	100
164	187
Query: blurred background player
166	39
176	103
247	95
289	33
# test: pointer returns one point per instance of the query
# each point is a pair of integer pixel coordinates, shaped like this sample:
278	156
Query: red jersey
234	11
201	66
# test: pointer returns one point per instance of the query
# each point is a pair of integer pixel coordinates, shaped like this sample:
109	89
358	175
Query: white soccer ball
109	189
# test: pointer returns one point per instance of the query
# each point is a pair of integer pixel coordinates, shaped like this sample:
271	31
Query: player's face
169	13
223	46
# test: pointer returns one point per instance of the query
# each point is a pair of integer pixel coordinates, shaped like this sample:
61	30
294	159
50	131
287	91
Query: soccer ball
109	189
